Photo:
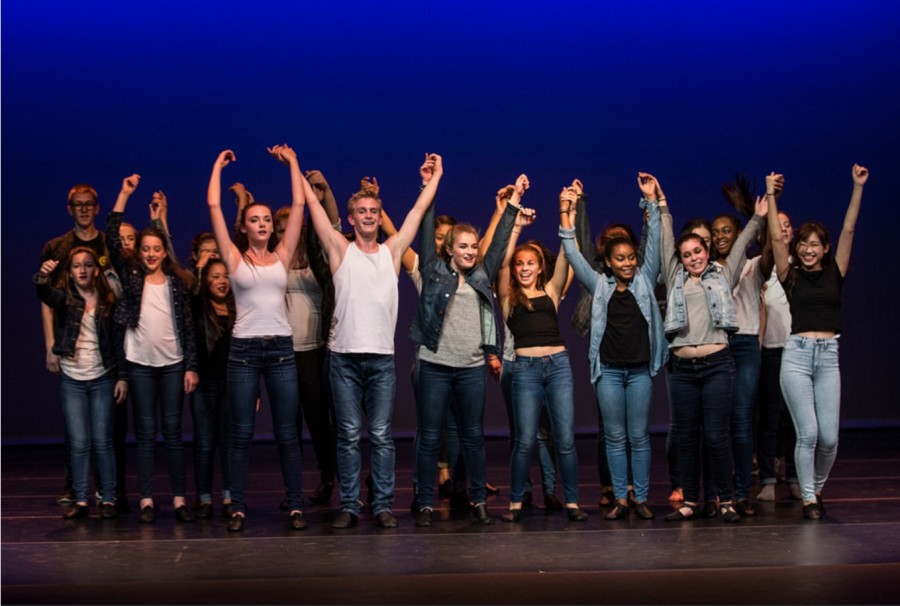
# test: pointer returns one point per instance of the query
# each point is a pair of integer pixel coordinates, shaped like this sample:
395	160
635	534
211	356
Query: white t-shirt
87	363
154	342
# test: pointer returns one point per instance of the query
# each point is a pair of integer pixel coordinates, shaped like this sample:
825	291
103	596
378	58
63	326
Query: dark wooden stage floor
852	556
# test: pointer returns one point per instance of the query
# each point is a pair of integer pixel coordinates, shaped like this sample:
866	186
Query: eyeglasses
83	205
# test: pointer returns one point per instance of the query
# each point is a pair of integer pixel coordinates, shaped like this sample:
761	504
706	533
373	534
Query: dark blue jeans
440	385
363	386
772	415
535	380
88	412
161	387
270	359
747	361
315	407
702	396
211	413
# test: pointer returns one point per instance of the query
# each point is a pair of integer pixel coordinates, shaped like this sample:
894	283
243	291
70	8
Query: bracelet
565	212
770	193
660	199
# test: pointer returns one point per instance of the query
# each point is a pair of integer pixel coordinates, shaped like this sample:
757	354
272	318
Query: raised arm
523	217
242	198
558	284
114	221
323	194
399	242
738	255
286	248
845	242
227	250
780	250
389	229
501	199
159	217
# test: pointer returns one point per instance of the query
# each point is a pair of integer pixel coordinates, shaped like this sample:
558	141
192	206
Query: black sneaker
108	511
728	513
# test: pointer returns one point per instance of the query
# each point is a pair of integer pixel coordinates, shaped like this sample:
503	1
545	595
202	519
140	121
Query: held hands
860	175
159	206
578	186
525	217
47	267
433	165
283	153
774	184
503	196
649	186
495	366
318	183
521	185
129	184
370	186
567	198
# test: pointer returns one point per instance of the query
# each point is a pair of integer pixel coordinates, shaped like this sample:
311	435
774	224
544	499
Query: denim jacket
440	282
69	312
718	281
602	287
131	274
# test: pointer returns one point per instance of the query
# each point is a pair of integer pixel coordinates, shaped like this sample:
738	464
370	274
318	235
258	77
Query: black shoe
821	505
66	497
183	514
423	518
480	512
643	511
297	521
528	499
711	509
811	511
386	519
76	511
236	523
576	514
108	511
728	513
322	493
619	512
122	505
491	489
512	515
551	503
685	512
744	508
203	510
227	510
148	515
344	520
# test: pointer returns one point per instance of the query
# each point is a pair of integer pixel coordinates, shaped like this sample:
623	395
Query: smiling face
83	208
365	217
258	224
83	270
694	255
463	251
622	262
217	282
811	251
527	268
152	252
724	233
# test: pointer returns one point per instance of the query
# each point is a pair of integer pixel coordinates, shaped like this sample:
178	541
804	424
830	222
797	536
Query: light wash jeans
624	394
811	383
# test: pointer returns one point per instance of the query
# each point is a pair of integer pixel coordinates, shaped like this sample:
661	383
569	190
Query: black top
538	327
626	340
815	299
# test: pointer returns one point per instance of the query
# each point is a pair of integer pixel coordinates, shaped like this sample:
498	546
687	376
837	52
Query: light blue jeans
811	383
624	394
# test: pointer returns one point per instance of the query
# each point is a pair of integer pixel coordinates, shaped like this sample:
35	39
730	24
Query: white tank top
304	309
365	311
259	299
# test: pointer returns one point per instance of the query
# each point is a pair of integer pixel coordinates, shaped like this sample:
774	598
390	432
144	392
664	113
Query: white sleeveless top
365	311
259	299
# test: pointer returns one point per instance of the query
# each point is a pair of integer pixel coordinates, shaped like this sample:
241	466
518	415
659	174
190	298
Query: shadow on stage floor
851	556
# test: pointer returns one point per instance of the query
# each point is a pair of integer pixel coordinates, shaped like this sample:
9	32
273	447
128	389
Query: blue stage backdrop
692	92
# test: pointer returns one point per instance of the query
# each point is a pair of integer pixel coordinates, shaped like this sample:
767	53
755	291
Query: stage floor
851	556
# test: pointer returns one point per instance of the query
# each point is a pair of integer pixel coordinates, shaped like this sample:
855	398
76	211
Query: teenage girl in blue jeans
810	371
541	371
261	343
627	347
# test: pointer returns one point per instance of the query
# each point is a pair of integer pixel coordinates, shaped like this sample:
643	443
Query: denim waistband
814	339
722	354
560	354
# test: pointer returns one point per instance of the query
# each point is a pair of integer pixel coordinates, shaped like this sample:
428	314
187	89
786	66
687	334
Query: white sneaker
767	493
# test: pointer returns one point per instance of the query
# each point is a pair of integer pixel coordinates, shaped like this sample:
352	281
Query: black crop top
536	328
815	299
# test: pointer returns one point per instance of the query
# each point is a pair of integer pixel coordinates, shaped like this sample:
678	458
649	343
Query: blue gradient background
692	92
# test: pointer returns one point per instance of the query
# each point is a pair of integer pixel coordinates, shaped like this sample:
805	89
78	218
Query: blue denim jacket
440	282
69	312
718	281
642	287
